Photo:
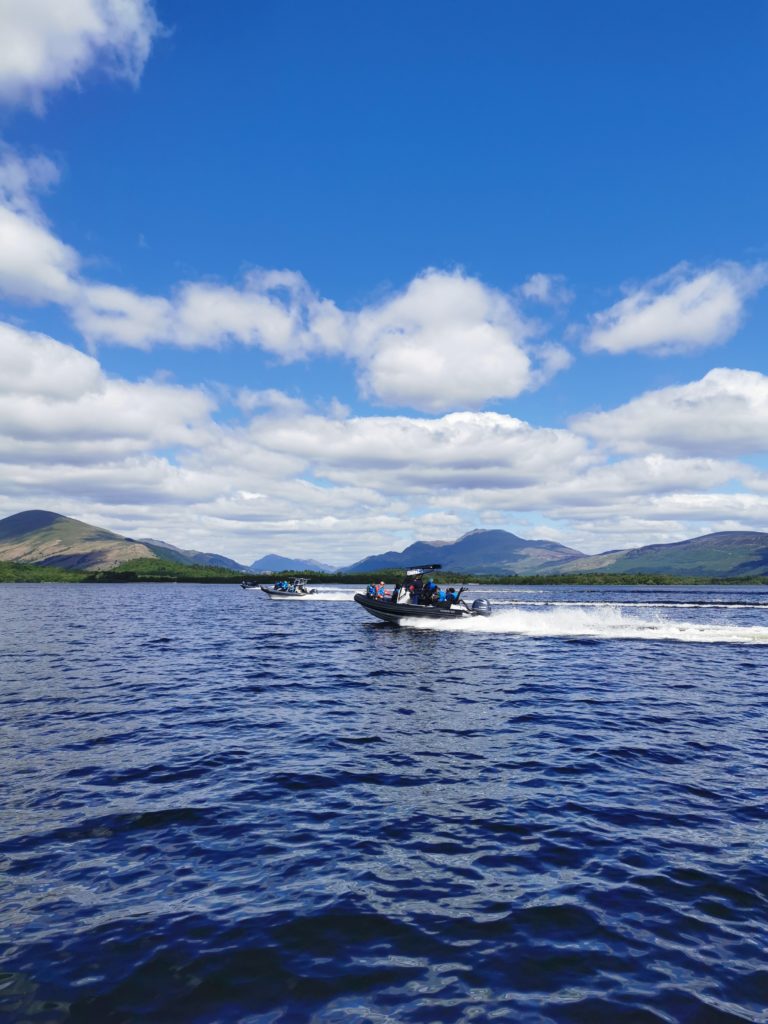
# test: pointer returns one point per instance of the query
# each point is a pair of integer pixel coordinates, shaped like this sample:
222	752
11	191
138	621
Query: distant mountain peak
489	552
27	522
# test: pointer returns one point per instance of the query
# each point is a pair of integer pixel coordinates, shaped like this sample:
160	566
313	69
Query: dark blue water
218	807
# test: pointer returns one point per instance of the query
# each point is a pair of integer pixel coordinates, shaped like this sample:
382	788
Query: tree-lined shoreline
148	570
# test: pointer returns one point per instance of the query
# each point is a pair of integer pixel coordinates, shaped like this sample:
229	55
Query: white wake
607	622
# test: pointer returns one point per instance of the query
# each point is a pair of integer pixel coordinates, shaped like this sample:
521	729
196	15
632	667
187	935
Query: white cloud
149	459
276	310
445	341
47	43
401	455
548	289
57	405
448	341
106	311
679	311
723	414
34	265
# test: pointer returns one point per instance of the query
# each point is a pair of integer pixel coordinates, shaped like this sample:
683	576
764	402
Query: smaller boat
412	598
249	585
297	587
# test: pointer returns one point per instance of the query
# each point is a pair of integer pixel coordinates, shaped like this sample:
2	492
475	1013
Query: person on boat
395	593
371	590
380	593
429	591
417	590
451	596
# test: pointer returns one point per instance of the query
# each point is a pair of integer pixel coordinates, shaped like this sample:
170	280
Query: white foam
630	604
609	622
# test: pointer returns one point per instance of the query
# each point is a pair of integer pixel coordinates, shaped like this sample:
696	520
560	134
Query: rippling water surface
218	807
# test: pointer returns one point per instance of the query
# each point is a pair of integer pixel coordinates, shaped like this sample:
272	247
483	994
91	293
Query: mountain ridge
44	538
275	563
493	552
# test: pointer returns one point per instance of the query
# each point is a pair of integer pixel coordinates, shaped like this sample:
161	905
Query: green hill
715	555
50	539
491	552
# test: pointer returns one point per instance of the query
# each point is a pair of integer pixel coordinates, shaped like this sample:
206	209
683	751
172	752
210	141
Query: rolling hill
489	552
187	556
47	538
732	553
276	563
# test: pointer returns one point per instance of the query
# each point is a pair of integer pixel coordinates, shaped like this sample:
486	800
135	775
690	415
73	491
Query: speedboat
249	585
297	587
413	599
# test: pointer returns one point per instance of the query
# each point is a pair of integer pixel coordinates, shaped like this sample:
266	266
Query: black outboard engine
481	607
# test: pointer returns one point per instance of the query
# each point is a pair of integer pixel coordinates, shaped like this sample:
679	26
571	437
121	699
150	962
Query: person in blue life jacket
371	591
429	591
451	596
380	589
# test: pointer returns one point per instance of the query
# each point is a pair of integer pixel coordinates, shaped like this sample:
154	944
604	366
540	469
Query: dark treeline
151	570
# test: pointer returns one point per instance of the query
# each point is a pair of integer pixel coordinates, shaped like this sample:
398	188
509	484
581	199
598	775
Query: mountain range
498	553
50	539
276	563
491	552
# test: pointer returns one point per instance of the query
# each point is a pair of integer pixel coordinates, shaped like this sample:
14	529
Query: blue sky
328	278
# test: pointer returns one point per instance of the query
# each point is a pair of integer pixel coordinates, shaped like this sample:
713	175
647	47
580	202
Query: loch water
217	808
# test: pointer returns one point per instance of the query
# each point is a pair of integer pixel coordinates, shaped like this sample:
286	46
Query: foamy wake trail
608	622
333	595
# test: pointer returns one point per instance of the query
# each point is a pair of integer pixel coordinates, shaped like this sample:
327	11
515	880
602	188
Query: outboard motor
480	606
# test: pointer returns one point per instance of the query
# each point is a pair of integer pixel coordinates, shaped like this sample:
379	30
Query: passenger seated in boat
451	596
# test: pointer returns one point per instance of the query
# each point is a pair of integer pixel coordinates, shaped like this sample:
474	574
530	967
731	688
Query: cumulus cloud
56	404
680	311
398	454
446	341
34	265
548	289
723	414
276	310
47	43
150	459
106	311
